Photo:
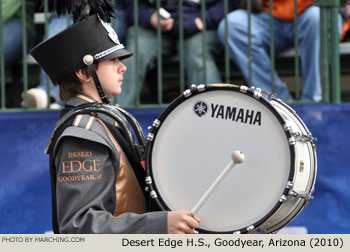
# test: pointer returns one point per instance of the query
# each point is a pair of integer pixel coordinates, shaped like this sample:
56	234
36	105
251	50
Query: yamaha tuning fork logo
200	108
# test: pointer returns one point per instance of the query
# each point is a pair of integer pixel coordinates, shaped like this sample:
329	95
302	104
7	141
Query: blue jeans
12	38
309	49
57	24
147	55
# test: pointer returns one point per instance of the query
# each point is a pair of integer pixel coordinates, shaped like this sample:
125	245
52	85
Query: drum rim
208	88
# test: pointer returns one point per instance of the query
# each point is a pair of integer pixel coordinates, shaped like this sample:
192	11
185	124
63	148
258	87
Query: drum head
193	145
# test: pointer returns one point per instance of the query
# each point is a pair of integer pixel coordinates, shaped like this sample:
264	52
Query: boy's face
110	73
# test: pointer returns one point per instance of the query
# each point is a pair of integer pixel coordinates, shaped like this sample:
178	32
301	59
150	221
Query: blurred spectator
283	13
193	51
12	29
345	13
37	97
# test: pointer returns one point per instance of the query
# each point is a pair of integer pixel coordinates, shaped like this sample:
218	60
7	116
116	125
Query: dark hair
71	86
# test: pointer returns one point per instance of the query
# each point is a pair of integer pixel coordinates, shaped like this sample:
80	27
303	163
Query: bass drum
191	143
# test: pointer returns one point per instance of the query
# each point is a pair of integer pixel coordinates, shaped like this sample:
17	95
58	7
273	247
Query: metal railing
330	61
24	55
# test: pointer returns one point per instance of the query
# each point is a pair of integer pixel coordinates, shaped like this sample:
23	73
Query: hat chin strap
100	91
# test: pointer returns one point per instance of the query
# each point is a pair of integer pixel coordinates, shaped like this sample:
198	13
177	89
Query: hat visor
120	54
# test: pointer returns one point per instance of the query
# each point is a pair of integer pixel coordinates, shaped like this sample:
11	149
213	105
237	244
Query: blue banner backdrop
25	200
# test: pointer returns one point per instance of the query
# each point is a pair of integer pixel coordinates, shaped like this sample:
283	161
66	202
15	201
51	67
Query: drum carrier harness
123	133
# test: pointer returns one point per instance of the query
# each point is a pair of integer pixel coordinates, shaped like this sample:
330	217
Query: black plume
81	9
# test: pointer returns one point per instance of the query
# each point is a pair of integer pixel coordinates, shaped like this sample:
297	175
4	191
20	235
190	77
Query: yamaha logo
200	108
229	113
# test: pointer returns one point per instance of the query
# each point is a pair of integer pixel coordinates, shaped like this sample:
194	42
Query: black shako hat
81	44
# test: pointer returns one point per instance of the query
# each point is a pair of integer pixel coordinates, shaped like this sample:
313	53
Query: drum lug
301	195
256	92
283	198
297	136
193	87
292	141
287	127
290	185
147	189
150	137
153	194
303	137
187	93
250	229
243	89
257	95
156	123
201	87
148	180
236	232
311	138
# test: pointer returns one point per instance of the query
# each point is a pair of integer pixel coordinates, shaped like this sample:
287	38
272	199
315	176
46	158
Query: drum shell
305	171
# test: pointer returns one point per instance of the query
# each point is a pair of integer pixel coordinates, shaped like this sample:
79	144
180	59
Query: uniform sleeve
86	198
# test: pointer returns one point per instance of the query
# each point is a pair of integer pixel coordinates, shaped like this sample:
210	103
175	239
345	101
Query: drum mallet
237	158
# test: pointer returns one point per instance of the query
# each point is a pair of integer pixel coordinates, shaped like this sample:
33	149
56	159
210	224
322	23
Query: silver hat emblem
111	33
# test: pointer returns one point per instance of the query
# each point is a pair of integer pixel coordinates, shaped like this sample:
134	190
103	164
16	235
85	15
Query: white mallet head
238	157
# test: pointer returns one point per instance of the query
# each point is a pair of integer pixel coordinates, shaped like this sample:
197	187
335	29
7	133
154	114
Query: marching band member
95	171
